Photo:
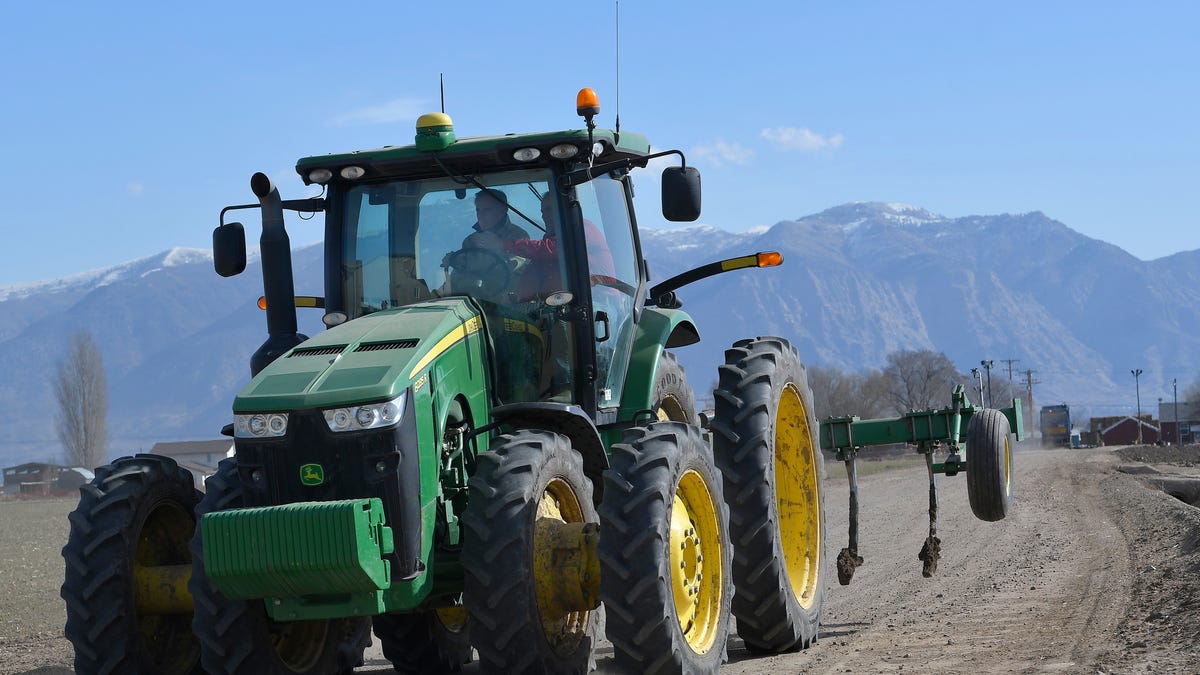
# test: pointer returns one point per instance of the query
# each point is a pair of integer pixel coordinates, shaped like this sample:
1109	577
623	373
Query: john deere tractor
481	449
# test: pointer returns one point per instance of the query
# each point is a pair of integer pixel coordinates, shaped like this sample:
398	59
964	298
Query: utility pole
978	378
1175	386
1137	390
1029	390
1010	379
987	365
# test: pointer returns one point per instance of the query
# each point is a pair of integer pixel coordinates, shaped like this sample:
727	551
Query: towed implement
489	442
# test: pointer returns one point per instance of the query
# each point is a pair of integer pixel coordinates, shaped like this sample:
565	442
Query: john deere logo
312	474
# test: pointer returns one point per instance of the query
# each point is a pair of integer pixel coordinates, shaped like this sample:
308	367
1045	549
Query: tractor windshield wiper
468	179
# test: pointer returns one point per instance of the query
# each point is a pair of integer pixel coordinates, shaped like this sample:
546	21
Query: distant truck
1056	426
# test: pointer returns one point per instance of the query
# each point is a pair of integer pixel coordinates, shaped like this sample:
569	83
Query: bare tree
1192	393
837	393
919	380
82	393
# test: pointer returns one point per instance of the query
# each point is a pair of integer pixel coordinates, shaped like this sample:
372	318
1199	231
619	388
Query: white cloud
801	139
136	189
721	152
391	112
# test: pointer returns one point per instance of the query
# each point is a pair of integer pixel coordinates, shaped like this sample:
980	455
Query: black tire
674	400
237	636
522	478
424	642
664	544
766	444
136	511
989	465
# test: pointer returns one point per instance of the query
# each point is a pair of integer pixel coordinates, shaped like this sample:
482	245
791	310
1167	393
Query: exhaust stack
278	286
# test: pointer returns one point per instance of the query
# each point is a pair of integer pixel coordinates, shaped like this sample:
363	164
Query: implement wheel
528	589
237	636
765	442
673	398
989	465
433	641
664	553
135	515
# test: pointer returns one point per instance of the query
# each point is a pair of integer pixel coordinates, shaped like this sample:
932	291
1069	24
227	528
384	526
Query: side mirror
681	194
229	249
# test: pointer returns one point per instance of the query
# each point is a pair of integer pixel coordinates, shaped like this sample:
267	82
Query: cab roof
472	154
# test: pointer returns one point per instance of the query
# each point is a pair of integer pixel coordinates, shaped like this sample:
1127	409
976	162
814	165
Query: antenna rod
442	87
617	98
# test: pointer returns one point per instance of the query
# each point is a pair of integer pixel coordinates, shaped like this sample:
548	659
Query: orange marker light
587	102
770	259
262	302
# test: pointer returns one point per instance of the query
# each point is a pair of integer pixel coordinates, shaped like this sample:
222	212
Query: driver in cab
492	230
492	226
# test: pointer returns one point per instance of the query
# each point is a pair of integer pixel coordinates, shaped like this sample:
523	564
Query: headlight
260	425
362	417
564	151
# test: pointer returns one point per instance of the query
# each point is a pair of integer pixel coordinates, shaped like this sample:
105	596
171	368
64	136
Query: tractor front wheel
238	636
433	641
133	520
529	524
989	465
765	440
664	553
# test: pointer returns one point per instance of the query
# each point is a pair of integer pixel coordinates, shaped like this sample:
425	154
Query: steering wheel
479	272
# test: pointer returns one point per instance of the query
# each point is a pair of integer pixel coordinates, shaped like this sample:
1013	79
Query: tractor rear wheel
765	441
528	493
674	400
663	519
433	641
136	514
238	636
989	465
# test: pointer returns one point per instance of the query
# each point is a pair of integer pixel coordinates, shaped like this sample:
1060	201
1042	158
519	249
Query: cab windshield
409	241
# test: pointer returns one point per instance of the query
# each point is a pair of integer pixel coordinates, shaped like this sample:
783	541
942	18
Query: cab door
614	273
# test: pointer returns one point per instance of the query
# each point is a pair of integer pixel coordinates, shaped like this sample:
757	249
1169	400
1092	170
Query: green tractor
488	442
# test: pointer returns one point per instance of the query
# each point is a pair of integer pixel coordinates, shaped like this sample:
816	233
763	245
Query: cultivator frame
929	431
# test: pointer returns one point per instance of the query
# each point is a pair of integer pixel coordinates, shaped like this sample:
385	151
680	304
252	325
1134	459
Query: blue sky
126	127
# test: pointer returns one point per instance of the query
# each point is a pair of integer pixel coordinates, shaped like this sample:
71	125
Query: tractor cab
536	230
555	272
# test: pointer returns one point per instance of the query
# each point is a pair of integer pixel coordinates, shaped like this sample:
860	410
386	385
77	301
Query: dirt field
1095	571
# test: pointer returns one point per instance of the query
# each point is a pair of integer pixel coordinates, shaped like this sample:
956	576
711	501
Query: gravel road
1095	570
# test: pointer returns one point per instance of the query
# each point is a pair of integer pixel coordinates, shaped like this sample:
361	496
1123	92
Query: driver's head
491	208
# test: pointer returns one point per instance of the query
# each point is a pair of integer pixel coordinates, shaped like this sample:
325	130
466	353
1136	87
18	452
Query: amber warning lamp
587	103
301	301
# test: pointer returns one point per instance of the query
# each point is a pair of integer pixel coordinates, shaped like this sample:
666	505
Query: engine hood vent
391	344
331	350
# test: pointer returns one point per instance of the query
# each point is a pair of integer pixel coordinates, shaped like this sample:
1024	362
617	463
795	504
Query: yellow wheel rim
671	410
558	505
1007	466
163	541
453	619
696	559
299	644
797	491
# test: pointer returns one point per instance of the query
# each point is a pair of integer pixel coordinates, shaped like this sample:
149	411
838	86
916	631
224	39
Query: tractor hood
372	358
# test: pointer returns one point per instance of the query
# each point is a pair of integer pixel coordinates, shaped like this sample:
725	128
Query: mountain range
858	282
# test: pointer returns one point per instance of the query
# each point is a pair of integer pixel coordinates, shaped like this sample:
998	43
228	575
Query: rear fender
659	329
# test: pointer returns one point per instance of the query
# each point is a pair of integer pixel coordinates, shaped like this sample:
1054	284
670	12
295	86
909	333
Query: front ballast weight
989	471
